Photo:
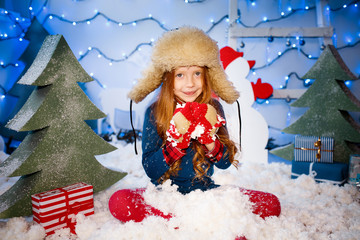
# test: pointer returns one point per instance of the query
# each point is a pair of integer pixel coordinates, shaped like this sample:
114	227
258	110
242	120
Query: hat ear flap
222	86
152	80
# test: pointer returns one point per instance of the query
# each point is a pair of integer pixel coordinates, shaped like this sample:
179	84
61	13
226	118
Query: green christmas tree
60	148
329	102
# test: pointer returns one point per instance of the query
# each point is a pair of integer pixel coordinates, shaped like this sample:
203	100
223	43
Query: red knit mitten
181	127
207	123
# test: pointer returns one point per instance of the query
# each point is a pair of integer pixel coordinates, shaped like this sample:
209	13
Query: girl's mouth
189	93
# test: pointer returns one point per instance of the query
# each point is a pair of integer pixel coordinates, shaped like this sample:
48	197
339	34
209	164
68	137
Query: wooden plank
233	15
237	31
287	93
321	19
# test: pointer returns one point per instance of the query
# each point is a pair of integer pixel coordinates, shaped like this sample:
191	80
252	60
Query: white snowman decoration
254	129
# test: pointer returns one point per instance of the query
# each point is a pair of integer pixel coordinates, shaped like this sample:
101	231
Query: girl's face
188	82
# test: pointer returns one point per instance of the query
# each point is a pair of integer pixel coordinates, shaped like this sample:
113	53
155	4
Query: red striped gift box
57	208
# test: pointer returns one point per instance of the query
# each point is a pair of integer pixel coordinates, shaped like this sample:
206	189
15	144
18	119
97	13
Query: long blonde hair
163	112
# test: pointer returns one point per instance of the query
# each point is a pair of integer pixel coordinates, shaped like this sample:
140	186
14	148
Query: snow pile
309	210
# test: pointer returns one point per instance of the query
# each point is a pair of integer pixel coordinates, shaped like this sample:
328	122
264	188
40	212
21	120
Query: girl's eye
198	73
179	75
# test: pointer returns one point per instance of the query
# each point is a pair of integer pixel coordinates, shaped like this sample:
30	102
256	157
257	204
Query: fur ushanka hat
186	46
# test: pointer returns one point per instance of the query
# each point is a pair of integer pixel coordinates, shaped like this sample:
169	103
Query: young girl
184	132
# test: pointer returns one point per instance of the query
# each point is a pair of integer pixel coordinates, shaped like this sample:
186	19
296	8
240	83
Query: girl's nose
190	80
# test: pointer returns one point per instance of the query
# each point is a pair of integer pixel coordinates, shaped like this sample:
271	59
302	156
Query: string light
215	23
306	82
108	19
3	65
348	83
194	1
283	15
124	57
133	23
4	92
281	54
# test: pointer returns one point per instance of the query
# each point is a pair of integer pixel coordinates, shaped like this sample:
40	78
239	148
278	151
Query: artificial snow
309	210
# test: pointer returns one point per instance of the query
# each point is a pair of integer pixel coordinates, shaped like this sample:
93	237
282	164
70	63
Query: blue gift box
312	148
336	173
